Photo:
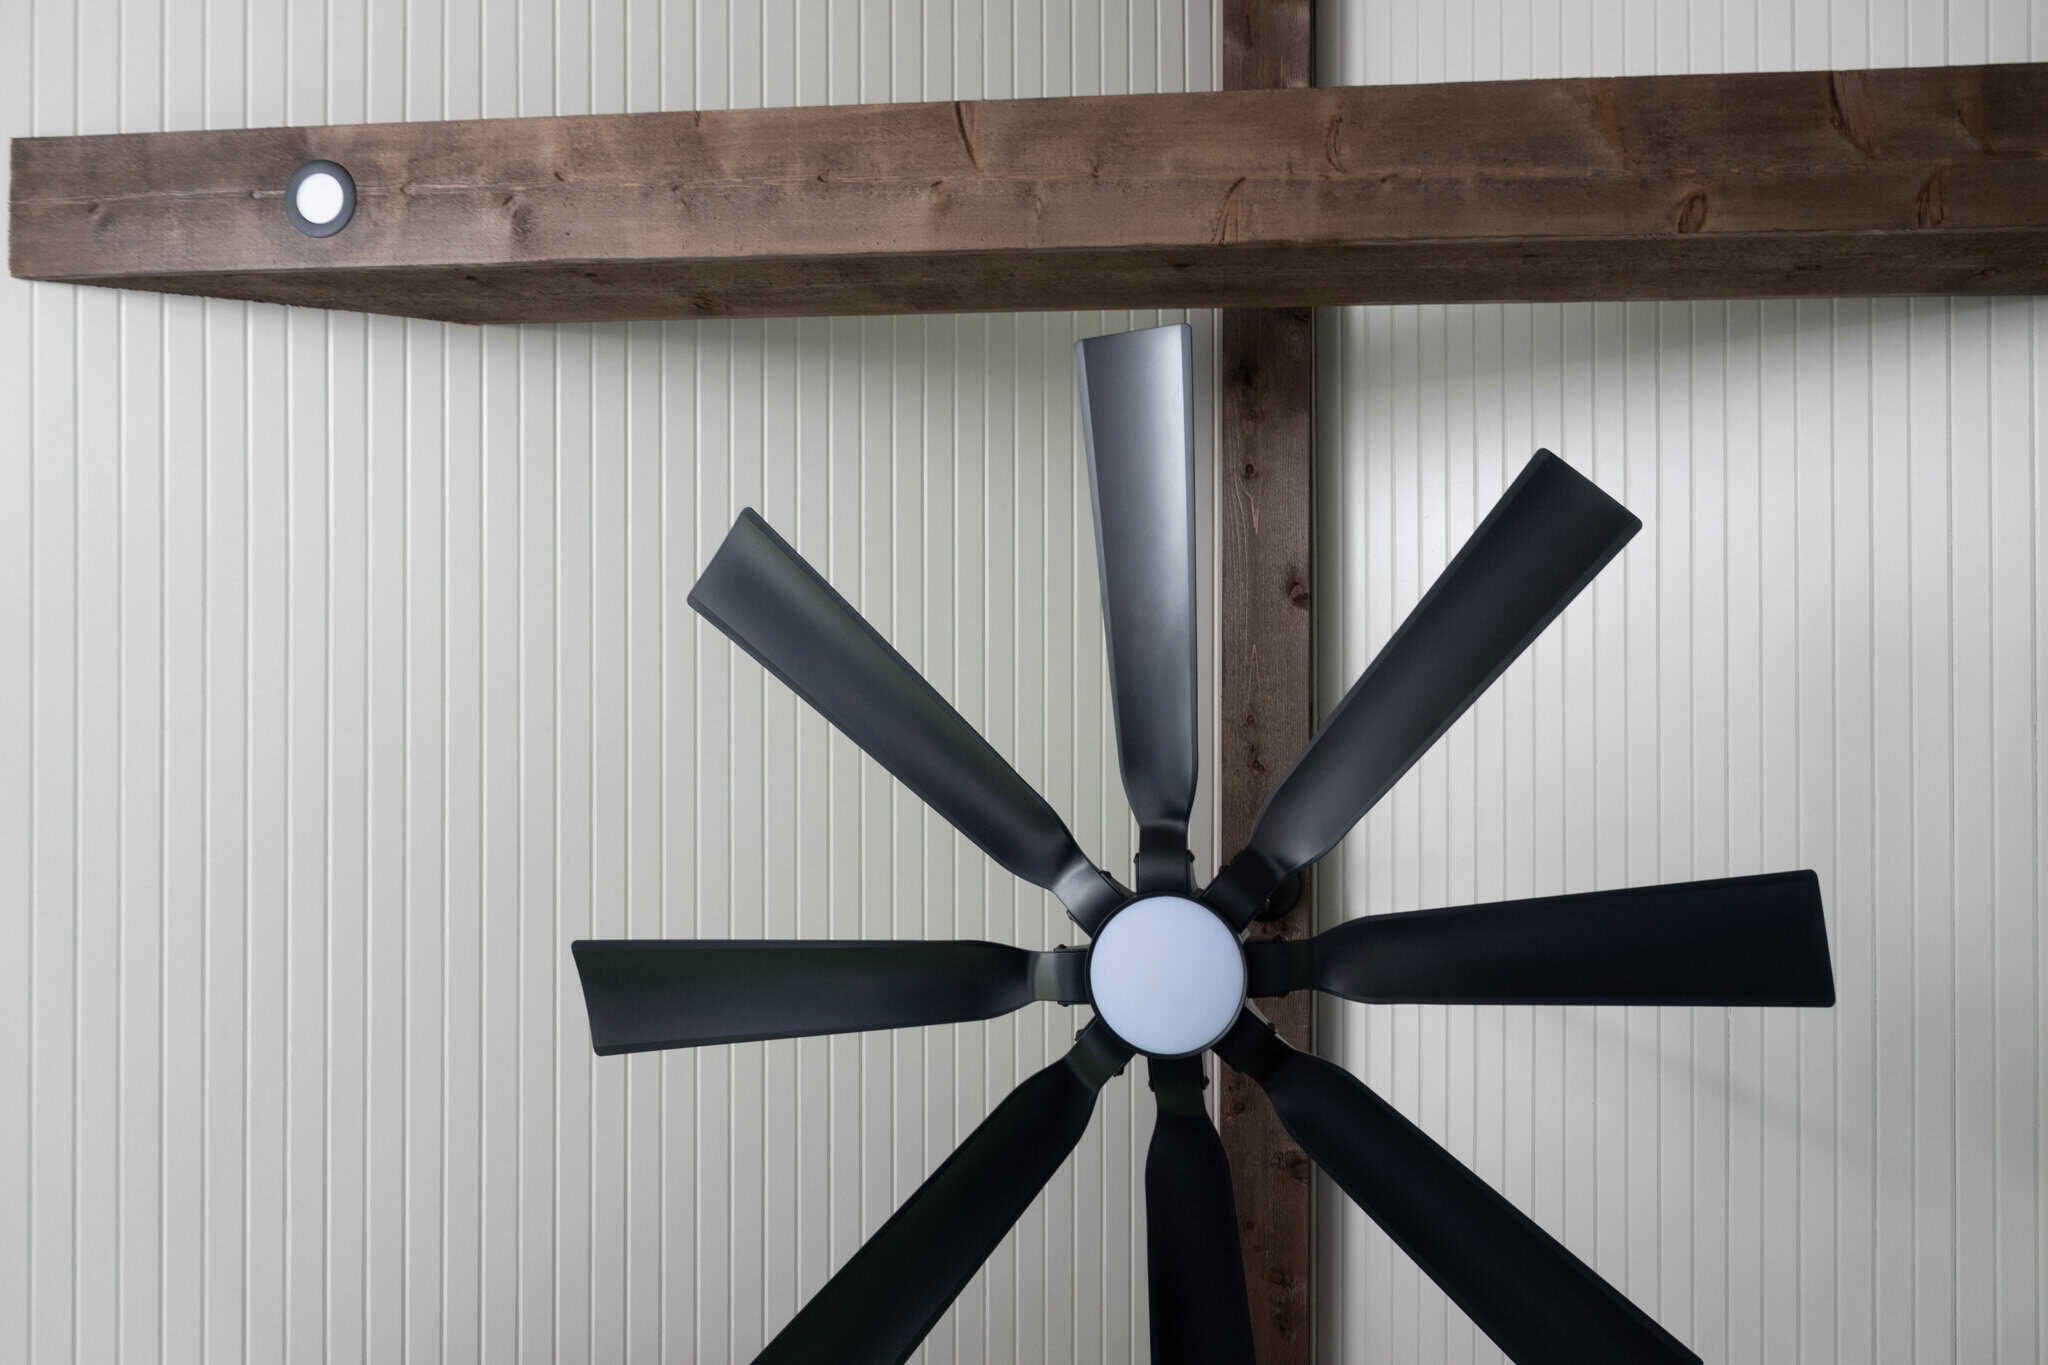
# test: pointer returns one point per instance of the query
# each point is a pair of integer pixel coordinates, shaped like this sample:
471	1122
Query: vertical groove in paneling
1824	650
19	758
352	678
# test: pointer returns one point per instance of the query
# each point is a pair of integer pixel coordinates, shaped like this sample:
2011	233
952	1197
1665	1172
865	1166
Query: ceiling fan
1166	972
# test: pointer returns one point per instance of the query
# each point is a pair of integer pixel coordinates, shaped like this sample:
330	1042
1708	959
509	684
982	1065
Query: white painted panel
349	676
1823	650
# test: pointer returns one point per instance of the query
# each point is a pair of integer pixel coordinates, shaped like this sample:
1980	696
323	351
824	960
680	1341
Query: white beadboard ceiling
346	675
1825	649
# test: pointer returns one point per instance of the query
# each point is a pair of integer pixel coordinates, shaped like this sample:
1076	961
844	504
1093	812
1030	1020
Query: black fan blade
1734	941
1137	413
885	1299
761	593
1543	541
644	994
1539	1303
1195	1265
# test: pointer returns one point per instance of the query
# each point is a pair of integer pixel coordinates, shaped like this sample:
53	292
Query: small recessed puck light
321	198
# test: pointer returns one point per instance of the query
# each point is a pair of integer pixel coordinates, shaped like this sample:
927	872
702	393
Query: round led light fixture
1166	974
321	198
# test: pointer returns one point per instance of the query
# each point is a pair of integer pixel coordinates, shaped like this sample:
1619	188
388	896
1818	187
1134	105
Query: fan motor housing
1167	975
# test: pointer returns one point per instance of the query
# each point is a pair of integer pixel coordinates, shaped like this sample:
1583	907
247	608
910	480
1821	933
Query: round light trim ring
320	199
1167	975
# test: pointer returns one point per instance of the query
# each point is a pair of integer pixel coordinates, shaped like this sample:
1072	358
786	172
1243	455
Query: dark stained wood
1929	180
1268	44
1266	393
843	286
1267	708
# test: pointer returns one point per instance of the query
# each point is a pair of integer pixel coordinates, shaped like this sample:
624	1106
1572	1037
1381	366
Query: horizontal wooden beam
1927	180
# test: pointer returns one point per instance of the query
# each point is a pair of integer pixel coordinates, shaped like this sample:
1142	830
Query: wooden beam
1267	708
1929	180
1266	403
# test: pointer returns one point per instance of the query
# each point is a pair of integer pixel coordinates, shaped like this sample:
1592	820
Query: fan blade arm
886	1298
1278	966
1538	1302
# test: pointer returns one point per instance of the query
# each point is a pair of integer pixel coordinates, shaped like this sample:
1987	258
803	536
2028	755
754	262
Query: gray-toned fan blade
761	593
1543	541
885	1299
1540	1304
1732	941
1201	1314
1137	414
644	994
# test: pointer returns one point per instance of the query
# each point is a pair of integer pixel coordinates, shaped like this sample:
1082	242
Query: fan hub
1167	975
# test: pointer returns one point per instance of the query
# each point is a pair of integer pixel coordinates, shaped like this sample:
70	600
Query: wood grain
1268	44
1266	393
1267	706
1925	180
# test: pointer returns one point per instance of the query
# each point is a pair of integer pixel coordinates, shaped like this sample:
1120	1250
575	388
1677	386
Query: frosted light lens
319	198
1167	975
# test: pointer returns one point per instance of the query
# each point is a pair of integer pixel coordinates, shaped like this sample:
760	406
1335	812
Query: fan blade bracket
1244	886
1089	893
1279	966
1178	1082
1165	865
1098	1055
1285	897
1060	977
1252	1045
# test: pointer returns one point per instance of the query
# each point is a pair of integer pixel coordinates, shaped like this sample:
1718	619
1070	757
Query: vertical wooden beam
1266	394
